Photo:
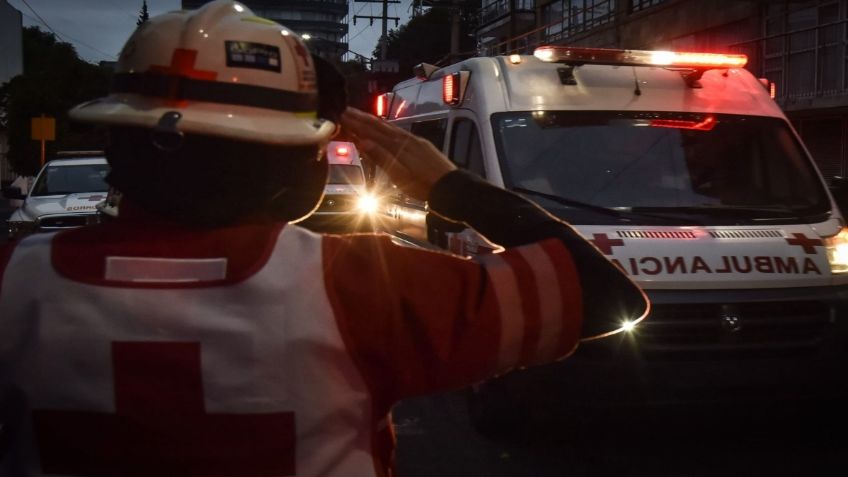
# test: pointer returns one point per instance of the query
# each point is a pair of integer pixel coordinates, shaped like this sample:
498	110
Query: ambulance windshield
717	167
72	179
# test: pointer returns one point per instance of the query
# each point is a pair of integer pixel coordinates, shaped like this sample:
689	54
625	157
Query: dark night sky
98	28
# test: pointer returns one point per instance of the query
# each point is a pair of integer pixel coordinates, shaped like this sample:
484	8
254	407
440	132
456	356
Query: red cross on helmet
225	71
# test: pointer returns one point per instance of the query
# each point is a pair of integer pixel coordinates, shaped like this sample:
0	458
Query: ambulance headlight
367	204
837	252
20	227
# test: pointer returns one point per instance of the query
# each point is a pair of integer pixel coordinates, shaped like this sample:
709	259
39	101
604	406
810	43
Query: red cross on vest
160	426
809	244
182	64
605	244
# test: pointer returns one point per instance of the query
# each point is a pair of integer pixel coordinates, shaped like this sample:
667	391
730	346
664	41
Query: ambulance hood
79	203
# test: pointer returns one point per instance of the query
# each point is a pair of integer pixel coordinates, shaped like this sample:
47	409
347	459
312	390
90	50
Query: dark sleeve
510	220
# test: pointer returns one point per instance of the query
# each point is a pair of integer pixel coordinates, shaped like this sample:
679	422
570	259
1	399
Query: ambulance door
410	213
465	150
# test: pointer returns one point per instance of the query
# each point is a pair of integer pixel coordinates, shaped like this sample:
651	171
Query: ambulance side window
465	150
432	130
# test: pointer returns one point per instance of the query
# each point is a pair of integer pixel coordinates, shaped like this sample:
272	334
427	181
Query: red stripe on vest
572	295
526	282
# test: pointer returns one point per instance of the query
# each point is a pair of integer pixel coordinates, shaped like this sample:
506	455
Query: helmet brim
236	122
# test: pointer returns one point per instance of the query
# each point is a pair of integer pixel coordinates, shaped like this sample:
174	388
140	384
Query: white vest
271	363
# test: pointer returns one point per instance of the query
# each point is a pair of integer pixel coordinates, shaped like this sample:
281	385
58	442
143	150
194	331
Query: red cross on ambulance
605	244
808	244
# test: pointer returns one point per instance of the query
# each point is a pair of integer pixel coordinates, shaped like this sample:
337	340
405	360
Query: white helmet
220	71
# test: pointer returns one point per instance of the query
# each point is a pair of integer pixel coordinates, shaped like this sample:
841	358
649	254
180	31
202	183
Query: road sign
44	129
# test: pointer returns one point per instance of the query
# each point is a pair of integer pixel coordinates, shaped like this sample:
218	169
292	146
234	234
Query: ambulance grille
747	234
733	331
656	234
337	203
63	221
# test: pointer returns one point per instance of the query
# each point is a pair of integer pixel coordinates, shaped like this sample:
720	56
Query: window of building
804	51
564	18
639	5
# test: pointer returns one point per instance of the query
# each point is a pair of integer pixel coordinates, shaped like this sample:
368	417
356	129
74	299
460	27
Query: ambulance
347	204
684	172
64	195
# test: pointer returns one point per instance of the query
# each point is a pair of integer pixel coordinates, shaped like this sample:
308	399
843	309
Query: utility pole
384	39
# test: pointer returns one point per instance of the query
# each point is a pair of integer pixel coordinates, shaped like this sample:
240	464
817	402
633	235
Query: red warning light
449	95
380	106
707	124
342	150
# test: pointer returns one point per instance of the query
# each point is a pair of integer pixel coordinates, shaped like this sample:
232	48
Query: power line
134	17
41	19
361	30
108	55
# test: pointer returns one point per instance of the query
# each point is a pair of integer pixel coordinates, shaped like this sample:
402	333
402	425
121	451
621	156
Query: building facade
800	45
322	23
11	65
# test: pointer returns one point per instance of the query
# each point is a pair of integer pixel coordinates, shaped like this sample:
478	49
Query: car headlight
837	252
367	204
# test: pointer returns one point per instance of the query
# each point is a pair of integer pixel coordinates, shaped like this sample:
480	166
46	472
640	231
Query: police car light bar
562	54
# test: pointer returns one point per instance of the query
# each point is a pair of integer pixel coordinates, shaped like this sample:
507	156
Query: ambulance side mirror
839	190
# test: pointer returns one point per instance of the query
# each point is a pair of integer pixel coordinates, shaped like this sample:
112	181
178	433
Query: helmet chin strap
166	136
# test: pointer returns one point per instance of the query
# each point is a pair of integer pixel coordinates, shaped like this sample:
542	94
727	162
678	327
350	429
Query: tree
143	14
54	80
356	78
426	38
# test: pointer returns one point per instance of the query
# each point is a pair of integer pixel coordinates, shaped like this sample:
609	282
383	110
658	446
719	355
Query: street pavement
435	438
5	211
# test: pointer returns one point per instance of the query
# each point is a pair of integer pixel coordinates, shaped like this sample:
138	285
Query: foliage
356	78
143	14
427	38
54	80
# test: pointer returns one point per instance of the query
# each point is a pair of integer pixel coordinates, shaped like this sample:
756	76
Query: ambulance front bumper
721	346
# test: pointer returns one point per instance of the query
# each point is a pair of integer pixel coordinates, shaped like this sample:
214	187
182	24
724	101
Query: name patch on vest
165	270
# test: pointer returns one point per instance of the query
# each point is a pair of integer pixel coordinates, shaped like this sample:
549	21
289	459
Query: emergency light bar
604	56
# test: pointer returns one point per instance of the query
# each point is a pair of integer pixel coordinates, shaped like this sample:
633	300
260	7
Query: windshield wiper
752	213
621	214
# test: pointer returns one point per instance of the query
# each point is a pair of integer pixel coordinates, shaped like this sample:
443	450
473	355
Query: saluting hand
411	162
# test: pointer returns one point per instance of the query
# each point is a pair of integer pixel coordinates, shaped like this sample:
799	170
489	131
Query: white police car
64	195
